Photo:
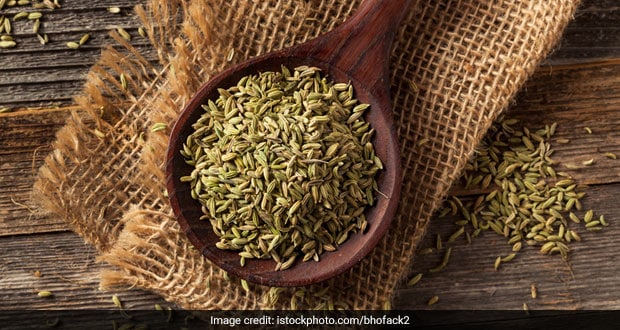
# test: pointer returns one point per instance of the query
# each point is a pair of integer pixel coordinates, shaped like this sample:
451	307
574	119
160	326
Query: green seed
123	33
588	162
36	25
433	300
45	294
20	15
456	234
509	257
158	127
414	280
84	39
7	44
34	15
245	285
43	39
73	45
117	301
123	81
588	216
498	261
7	26
601	219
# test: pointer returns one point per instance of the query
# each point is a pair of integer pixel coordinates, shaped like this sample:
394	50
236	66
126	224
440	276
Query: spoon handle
360	46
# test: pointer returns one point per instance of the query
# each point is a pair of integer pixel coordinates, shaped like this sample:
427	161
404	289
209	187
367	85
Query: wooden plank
68	269
470	281
24	143
35	75
576	97
593	35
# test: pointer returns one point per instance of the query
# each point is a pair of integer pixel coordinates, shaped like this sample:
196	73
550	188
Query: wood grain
68	269
35	75
25	141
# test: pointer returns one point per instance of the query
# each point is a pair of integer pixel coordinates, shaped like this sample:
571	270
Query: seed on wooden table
114	10
20	15
546	248
509	257
7	26
117	301
84	39
73	45
45	294
36	26
588	162
601	219
432	301
588	216
414	280
498	261
7	44
34	15
43	39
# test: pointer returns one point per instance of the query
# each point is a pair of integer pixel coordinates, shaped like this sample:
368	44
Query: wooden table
577	86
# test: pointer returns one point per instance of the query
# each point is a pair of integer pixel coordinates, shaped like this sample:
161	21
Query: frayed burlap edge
455	66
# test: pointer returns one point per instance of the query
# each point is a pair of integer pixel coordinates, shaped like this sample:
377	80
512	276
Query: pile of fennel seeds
514	191
283	165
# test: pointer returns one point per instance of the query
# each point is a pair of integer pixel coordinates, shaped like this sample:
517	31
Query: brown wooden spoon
356	51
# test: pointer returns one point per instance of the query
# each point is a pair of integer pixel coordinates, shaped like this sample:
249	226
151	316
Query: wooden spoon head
200	233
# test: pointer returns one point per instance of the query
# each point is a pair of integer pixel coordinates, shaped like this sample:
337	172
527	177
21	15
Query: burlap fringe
455	66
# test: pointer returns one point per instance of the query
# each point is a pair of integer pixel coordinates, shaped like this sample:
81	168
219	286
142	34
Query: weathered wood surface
578	86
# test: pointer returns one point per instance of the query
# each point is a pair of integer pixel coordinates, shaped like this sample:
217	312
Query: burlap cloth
455	65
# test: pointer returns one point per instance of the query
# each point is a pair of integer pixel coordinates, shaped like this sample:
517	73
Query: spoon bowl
355	52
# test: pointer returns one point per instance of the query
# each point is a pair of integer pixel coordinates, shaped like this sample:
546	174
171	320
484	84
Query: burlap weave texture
455	65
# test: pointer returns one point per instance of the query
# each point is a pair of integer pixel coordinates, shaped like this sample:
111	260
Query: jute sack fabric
455	66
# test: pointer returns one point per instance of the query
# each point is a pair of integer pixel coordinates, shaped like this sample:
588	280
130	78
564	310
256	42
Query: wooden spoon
356	51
